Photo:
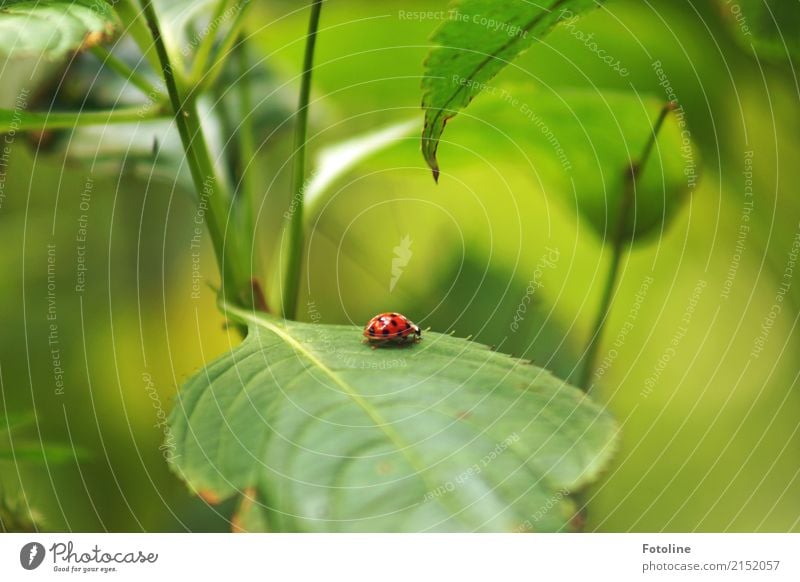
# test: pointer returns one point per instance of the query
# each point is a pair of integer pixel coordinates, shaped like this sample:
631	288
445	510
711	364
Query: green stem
248	176
228	251
207	43
25	121
617	250
110	60
291	283
247	148
203	78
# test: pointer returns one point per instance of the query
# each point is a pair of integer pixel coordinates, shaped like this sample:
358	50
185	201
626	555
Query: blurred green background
713	445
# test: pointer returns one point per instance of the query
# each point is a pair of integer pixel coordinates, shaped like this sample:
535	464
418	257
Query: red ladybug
391	328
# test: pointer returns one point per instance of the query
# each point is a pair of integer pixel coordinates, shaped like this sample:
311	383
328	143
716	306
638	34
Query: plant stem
291	283
207	43
25	121
228	251
626	205
248	189
205	78
110	60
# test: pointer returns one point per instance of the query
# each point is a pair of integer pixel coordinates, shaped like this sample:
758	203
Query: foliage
480	38
770	27
53	28
443	435
25	450
607	132
17	517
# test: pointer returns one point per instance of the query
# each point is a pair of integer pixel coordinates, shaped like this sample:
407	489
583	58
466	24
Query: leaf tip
430	144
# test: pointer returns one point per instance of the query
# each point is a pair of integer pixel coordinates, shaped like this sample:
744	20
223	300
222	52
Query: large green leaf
53	28
334	436
477	42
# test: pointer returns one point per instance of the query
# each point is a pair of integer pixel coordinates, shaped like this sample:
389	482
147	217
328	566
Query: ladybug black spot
385	331
408	326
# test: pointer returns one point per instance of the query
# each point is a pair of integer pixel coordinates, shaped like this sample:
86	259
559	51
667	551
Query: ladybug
391	328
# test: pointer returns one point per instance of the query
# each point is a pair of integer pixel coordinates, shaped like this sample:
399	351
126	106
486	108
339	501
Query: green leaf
475	44
51	453
53	28
615	133
445	434
12	449
17	515
771	27
16	421
336	160
581	145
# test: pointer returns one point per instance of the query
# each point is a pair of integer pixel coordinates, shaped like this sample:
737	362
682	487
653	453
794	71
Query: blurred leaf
582	144
475	44
335	436
618	137
14	449
336	160
53	28
16	515
9	422
50	453
772	27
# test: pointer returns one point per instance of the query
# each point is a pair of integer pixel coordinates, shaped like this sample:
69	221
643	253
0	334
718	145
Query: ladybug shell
391	327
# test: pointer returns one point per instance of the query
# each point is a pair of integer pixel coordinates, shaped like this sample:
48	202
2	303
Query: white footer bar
396	557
